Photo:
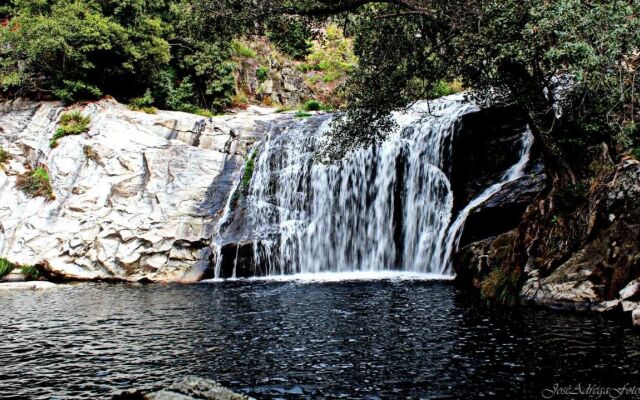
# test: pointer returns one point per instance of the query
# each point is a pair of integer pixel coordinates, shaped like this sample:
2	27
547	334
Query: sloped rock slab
137	197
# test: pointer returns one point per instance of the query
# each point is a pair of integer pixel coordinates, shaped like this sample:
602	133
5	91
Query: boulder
188	388
137	197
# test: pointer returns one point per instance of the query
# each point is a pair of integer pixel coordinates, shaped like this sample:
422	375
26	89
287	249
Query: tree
569	64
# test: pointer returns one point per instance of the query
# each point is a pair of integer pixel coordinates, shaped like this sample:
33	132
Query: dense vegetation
159	53
570	64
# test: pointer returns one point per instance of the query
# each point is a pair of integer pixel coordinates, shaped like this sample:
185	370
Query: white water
327	277
381	209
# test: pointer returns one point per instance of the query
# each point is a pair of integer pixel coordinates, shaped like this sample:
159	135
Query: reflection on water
385	339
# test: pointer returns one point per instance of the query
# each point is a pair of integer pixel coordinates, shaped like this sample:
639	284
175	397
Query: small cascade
383	208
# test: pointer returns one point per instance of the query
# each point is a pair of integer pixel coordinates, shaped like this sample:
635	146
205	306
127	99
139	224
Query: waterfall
386	207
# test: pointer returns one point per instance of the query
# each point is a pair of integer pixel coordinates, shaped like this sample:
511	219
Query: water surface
360	340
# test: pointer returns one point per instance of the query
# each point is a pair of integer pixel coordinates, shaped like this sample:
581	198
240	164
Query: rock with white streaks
136	197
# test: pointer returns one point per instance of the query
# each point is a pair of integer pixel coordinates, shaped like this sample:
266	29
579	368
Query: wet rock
628	306
476	260
137	197
631	291
32	285
606	264
635	318
504	210
188	388
204	389
486	144
166	395
606	306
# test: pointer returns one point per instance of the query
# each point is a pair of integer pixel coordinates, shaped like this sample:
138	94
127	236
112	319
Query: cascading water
387	207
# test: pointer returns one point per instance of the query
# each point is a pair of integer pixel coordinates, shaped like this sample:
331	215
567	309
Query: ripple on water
393	338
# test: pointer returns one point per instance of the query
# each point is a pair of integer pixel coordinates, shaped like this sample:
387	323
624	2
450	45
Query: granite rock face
137	197
588	259
605	265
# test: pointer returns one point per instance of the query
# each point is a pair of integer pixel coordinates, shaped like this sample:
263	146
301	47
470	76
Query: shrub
248	171
144	103
334	55
203	112
502	286
4	156
302	114
304	67
443	88
312	105
242	50
262	73
72	123
635	153
6	267
180	97
240	100
30	272
291	36
36	183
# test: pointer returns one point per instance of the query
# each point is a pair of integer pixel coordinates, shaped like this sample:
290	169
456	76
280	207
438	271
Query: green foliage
303	114
333	55
570	196
262	73
315	105
73	123
312	105
502	286
180	96
204	113
240	100
30	272
36	183
144	103
6	267
75	51
240	49
78	50
510	51
248	171
443	88
4	155
635	153
304	67
292	36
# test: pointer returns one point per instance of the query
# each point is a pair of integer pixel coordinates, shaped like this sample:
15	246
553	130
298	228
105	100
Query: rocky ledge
585	258
137	197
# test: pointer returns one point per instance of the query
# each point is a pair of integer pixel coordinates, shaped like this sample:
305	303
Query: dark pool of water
364	340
